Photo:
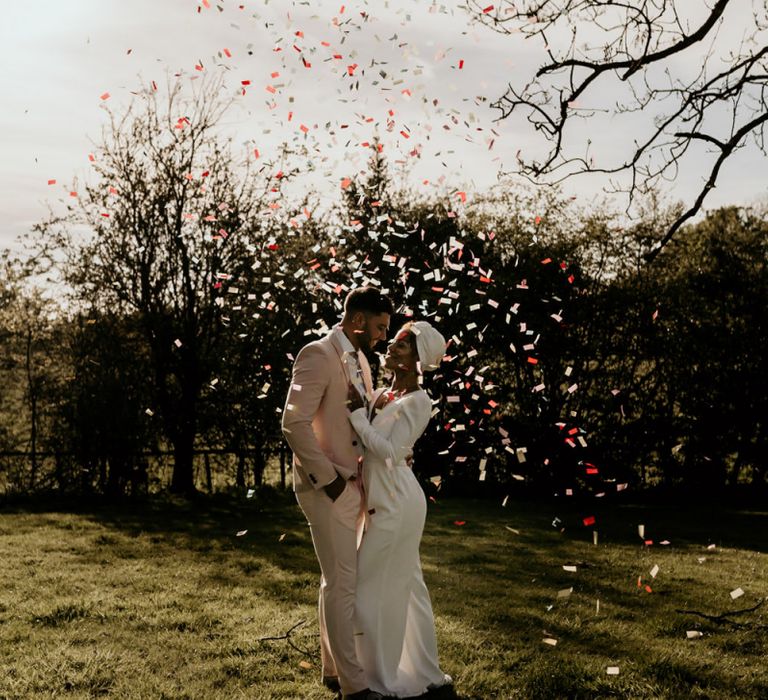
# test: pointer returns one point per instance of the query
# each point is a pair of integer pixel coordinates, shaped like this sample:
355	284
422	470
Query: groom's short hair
369	300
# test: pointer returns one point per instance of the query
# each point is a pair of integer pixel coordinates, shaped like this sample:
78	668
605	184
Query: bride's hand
354	400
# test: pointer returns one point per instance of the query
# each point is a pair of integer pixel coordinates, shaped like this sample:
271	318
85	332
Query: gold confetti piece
737	593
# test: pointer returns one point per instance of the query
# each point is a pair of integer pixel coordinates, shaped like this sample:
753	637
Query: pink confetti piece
104	96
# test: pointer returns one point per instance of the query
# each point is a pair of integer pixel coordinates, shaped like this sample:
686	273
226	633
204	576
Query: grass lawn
162	599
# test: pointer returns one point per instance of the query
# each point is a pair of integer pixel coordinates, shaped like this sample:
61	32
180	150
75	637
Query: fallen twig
723	617
287	638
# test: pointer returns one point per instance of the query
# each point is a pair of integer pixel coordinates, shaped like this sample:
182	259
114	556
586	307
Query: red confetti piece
305	129
459	522
51	182
245	82
104	96
461	64
256	152
346	182
589	520
227	53
351	69
488	9
533	361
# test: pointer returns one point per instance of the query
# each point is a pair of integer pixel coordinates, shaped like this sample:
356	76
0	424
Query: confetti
737	593
241	533
612	670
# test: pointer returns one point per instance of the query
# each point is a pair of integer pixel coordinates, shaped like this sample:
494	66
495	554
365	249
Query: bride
394	624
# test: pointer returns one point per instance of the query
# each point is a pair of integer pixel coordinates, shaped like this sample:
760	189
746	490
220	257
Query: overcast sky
435	71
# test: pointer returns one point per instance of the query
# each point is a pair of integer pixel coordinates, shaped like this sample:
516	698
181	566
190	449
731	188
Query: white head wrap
430	345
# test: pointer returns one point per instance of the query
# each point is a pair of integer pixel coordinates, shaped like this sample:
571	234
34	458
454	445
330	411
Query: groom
326	455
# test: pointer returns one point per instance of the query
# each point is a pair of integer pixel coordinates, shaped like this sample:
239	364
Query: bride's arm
410	421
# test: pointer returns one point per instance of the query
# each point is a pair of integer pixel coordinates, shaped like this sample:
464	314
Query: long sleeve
308	386
410	422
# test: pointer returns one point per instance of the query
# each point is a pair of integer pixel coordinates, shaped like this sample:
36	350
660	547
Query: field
163	599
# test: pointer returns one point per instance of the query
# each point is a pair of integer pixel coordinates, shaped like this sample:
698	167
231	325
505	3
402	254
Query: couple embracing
352	448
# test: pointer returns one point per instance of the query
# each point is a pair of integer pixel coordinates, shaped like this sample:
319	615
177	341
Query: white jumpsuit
394	624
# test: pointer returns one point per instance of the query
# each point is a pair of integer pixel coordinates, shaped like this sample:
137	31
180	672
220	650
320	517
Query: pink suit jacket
315	418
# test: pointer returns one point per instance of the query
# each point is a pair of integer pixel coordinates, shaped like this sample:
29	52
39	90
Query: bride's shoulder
422	398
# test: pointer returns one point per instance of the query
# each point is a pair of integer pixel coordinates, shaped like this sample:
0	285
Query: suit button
354	443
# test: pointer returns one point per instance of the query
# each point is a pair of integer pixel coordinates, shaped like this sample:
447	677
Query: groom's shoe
332	683
366	694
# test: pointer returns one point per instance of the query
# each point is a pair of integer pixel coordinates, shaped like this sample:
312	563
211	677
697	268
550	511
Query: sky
416	73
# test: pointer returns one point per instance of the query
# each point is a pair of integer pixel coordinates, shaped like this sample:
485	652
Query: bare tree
637	49
171	215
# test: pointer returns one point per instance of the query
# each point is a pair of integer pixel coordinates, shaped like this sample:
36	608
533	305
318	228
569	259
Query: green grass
162	600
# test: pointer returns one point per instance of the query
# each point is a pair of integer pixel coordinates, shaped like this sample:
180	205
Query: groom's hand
335	488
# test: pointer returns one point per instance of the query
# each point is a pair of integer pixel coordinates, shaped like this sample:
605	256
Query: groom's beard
364	338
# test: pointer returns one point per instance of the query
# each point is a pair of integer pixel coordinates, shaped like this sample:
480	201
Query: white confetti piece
565	592
654	571
549	640
241	533
641	530
693	634
569	567
737	593
612	670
